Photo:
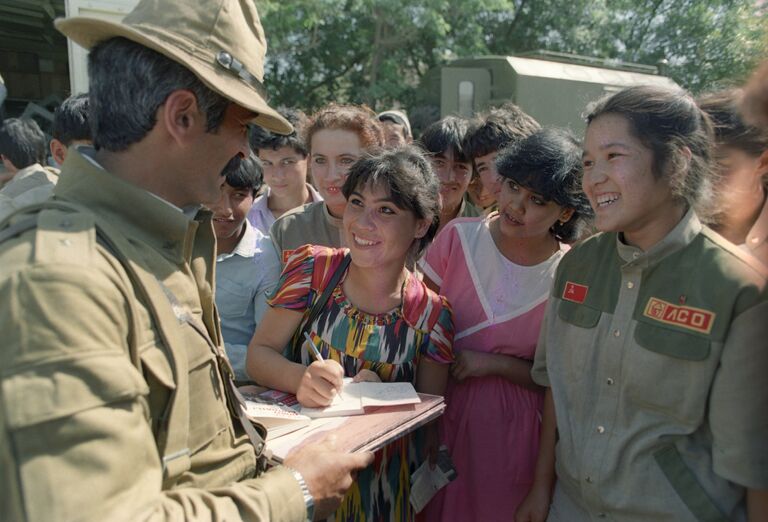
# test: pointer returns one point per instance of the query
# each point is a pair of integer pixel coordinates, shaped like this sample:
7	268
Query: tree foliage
376	51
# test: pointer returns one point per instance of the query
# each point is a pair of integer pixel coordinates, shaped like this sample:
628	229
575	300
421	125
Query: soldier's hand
321	381
327	472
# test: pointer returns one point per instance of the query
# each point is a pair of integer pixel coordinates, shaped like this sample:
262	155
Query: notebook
275	410
356	396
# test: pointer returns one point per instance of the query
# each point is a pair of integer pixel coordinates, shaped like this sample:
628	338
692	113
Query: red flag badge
575	292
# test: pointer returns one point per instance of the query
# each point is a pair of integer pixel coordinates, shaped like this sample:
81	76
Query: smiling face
524	214
480	196
378	232
285	171
230	210
333	151
621	186
454	176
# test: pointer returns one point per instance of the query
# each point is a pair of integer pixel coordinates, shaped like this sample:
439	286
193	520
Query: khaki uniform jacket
657	365
85	424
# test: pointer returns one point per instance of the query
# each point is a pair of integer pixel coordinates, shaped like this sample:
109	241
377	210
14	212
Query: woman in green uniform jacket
650	349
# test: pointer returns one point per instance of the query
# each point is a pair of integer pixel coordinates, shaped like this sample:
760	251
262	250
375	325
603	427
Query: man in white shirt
247	267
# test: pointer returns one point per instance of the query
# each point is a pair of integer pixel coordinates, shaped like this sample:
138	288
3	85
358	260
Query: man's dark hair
129	82
446	134
245	173
497	129
22	142
261	138
70	120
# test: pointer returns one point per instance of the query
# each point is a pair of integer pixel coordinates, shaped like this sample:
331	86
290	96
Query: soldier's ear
180	116
58	151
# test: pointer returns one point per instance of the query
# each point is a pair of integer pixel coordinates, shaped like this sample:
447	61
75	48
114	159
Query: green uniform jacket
657	363
86	430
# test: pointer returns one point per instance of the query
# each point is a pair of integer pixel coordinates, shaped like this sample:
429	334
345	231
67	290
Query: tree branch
636	45
338	74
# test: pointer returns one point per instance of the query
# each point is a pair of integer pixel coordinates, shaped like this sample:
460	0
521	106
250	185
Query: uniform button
636	255
630	285
616	333
65	242
601	429
609	381
589	480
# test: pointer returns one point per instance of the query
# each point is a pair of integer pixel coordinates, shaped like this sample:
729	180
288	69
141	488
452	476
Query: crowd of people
593	311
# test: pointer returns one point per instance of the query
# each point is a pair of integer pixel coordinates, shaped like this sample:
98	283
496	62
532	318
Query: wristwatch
309	502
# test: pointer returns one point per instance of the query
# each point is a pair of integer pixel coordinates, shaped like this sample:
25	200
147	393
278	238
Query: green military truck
552	87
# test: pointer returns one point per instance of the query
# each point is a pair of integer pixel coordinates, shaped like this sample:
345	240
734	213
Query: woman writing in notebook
368	315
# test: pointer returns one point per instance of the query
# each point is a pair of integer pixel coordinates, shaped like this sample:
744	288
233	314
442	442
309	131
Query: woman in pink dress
496	272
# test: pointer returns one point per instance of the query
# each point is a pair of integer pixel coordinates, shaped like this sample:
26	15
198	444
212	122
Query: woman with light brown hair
337	136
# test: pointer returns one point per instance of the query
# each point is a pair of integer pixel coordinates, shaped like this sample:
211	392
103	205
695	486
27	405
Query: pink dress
491	425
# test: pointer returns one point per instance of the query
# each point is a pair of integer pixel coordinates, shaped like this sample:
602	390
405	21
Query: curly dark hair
497	129
548	162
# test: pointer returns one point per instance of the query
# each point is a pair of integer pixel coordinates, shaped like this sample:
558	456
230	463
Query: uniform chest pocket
669	372
233	299
576	337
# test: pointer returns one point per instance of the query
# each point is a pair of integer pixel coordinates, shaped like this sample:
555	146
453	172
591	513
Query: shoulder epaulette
66	232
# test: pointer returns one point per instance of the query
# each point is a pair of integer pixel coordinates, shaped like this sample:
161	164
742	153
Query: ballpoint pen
313	346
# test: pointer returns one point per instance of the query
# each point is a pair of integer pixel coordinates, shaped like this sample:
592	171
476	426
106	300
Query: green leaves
377	51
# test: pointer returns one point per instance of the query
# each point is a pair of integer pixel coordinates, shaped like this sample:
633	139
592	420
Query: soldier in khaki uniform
653	345
116	400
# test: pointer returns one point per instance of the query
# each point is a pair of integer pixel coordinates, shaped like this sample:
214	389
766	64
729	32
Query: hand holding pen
321	381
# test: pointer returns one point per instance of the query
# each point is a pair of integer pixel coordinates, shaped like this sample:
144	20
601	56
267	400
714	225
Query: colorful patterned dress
389	344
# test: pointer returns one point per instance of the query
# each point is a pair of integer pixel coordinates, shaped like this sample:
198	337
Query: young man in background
247	267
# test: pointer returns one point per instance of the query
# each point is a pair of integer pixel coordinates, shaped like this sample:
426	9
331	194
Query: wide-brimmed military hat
221	41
